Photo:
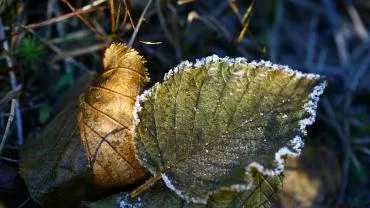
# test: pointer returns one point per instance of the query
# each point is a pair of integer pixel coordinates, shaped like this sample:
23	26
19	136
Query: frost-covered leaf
262	193
105	117
212	121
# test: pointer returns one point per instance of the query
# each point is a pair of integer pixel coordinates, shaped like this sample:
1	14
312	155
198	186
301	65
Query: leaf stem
145	186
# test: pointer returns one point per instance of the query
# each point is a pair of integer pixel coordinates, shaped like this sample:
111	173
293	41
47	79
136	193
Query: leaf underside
55	160
53	163
262	194
206	123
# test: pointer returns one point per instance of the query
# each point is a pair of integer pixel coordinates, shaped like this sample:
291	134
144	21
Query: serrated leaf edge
295	145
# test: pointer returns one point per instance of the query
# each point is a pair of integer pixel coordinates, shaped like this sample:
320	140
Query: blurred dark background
43	54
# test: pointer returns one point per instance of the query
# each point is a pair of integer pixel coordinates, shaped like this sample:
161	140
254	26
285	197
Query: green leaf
262	193
211	122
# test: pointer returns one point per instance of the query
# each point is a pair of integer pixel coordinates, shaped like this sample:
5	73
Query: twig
13	82
139	23
78	52
357	22
83	19
10	120
93	4
341	47
10	95
149	183
236	11
63	17
245	21
56	19
59	51
113	17
129	14
24	203
182	2
9	159
167	33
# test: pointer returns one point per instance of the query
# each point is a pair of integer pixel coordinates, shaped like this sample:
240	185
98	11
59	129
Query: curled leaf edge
296	144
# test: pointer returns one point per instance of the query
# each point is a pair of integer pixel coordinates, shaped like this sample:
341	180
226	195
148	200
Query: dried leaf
105	117
311	181
212	121
54	163
263	193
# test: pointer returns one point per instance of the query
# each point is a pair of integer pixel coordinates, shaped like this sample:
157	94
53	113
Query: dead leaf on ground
311	180
105	117
53	163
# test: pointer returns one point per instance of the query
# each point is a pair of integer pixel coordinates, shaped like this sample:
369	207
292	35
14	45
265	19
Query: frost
124	204
296	144
169	184
137	108
200	63
239	187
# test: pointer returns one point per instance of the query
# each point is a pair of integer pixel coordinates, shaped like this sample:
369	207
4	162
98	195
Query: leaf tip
296	144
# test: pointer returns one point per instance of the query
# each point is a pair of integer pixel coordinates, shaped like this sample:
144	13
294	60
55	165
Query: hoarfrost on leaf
213	122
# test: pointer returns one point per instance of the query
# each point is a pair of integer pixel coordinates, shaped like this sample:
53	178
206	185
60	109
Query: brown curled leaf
105	117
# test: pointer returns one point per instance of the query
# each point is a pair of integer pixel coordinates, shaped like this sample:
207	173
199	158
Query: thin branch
83	19
139	23
78	52
7	128
83	10
10	95
113	16
13	82
9	160
129	14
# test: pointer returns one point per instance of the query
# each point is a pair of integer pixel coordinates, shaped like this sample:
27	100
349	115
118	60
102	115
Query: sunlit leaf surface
212	121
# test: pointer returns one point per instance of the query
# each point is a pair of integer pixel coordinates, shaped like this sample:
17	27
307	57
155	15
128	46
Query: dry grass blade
246	19
78	52
55	20
150	42
13	83
83	19
142	17
10	95
128	13
182	2
235	9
